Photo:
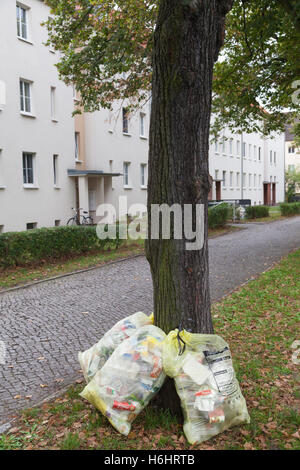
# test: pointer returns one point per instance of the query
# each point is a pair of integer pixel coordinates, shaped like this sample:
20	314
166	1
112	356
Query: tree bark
187	40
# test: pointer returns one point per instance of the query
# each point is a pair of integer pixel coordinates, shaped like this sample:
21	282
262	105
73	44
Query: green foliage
32	246
217	216
292	208
256	212
106	46
292	179
259	71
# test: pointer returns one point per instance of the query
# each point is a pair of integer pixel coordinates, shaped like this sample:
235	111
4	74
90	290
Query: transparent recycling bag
95	357
129	379
205	381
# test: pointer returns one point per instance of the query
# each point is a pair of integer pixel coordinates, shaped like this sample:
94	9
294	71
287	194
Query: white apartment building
248	166
51	162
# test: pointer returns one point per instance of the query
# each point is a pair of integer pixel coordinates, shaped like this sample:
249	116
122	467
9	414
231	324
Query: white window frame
77	146
231	147
125	121
29	181
238	182
231	179
53	103
126	175
22	24
244	147
142	125
143	174
238	148
55	170
25	97
259	154
224	179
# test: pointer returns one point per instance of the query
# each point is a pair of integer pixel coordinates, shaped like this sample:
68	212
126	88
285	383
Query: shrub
256	212
288	209
217	216
33	246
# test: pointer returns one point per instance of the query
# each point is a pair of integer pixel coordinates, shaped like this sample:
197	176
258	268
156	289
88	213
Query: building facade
51	162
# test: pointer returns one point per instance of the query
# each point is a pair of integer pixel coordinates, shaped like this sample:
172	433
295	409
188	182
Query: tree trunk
187	40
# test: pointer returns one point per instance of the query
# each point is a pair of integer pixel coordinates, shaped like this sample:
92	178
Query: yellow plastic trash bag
129	379
205	381
95	357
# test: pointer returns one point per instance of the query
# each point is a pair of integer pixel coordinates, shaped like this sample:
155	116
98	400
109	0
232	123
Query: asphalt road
43	326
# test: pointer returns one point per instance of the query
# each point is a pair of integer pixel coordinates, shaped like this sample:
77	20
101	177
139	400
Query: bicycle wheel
72	221
87	220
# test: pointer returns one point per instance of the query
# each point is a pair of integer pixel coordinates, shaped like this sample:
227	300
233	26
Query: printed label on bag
220	363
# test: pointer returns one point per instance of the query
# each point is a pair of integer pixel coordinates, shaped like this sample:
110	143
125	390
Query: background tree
292	181
260	67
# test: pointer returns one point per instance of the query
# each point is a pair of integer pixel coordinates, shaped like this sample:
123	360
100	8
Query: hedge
217	216
33	246
290	208
256	212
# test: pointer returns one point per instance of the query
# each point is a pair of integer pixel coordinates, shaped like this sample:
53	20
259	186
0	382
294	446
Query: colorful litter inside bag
129	379
95	357
205	381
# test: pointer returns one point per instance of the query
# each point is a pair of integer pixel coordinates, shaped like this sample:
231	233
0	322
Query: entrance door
266	194
218	190
273	194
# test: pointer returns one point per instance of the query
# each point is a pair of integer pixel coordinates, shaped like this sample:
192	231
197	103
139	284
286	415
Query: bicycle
85	219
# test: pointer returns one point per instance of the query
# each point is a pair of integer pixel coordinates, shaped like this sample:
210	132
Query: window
56	223
238	148
143	175
250	180
125	121
231	179
216	174
77	134
53	107
224	178
259	180
250	151
231	146
254	183
291	168
238	179
55	172
255	152
244	150
28	176
1	228
31	225
271	155
259	154
224	146
111	168
291	149
126	173
142	124
22	22
25	96
274	158
244	180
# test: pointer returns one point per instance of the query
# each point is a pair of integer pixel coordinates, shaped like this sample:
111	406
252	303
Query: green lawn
260	321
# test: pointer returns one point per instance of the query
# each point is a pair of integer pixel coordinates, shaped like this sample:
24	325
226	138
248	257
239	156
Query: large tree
110	49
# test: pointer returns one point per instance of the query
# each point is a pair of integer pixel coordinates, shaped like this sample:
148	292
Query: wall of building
42	203
103	144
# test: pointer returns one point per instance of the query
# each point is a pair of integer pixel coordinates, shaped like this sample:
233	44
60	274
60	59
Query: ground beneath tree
45	325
